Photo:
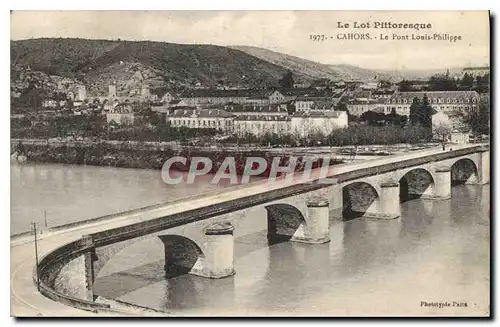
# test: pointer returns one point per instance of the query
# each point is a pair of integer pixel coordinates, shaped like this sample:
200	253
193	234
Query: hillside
100	62
310	68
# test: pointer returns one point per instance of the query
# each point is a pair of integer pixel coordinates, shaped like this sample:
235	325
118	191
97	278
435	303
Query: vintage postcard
250	163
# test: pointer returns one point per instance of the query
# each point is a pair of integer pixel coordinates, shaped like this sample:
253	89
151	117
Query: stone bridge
197	235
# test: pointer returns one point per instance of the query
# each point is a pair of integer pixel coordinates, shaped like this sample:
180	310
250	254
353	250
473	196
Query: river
438	251
70	193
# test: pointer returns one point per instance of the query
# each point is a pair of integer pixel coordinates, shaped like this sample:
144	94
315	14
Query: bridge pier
89	257
389	201
219	251
483	169
316	227
442	185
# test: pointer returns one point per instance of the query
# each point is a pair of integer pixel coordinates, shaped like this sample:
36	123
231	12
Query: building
108	106
170	106
121	114
306	123
261	125
382	94
276	97
303	103
259	100
49	103
112	91
82	93
248	110
201	118
369	86
449	102
361	95
145	92
360	106
213	96
301	85
167	97
285	95
476	71
460	136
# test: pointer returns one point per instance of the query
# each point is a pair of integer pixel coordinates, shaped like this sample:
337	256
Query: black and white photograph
250	163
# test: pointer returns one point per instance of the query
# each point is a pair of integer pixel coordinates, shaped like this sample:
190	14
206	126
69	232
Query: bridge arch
283	220
359	199
416	183
464	171
181	254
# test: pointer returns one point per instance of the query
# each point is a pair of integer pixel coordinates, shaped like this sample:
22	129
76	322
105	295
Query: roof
361	94
252	108
258	97
369	101
201	113
305	92
383	92
262	118
462	130
323	104
317	114
435	94
123	108
308	98
214	93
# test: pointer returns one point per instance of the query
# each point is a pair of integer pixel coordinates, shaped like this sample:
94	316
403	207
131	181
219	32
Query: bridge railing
48	268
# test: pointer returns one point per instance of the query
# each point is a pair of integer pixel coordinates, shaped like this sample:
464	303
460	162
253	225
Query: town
296	113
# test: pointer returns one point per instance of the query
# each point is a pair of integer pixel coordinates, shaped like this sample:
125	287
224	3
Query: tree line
444	82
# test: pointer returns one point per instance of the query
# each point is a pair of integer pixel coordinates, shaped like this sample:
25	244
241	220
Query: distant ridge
310	68
162	65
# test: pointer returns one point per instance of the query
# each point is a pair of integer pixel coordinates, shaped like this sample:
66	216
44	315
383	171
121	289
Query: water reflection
189	292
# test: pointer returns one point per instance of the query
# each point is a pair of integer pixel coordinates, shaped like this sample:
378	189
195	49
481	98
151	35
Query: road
26	301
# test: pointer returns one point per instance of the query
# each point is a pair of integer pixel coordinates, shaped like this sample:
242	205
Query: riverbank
146	155
152	155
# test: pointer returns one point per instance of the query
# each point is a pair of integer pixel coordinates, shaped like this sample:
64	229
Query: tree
414	108
442	83
342	106
373	118
482	83
405	86
479	120
425	113
287	80
467	82
441	131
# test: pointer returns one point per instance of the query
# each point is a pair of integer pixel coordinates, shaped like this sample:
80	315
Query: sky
283	31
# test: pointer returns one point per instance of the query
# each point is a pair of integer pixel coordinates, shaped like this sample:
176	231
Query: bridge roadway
27	301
